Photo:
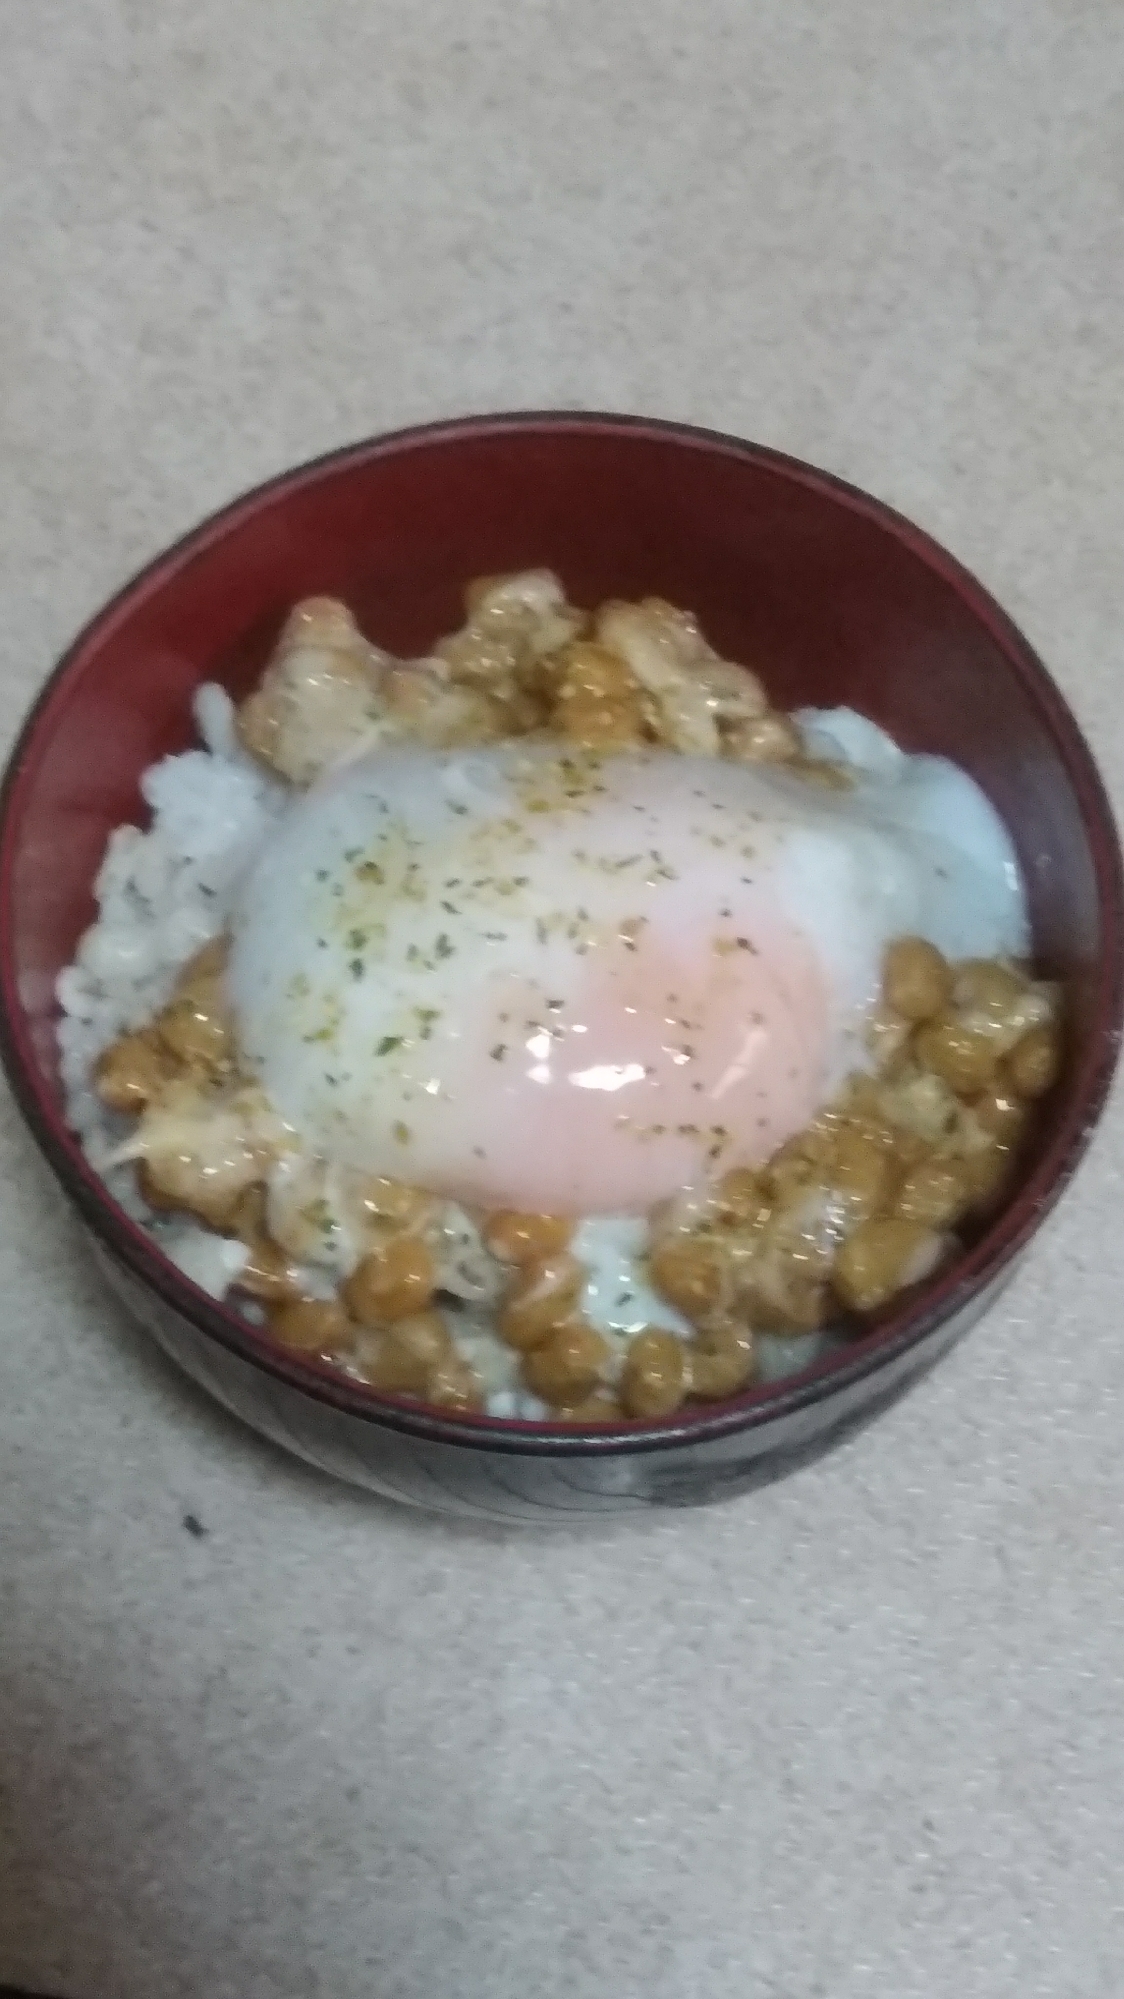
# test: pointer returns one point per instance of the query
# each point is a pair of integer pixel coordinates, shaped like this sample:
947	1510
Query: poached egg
571	982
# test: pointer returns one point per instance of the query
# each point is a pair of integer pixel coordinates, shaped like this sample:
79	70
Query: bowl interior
828	595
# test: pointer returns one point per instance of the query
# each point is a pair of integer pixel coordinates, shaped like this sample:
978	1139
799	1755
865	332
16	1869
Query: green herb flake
388	1043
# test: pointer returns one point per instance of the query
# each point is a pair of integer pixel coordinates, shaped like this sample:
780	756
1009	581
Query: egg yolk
656	1073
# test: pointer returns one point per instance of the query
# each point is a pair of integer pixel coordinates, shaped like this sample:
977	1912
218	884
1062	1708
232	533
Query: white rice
161	894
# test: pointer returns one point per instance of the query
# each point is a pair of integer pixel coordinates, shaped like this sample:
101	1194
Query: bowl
831	595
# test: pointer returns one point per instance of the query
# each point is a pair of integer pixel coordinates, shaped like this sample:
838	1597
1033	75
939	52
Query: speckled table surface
857	1736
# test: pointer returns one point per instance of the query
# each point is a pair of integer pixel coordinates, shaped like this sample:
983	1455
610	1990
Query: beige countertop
857	1737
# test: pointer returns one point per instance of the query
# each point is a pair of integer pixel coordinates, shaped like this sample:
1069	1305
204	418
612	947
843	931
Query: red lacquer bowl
834	598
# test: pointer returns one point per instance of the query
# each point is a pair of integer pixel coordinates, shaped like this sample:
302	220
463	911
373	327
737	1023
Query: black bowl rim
908	1327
